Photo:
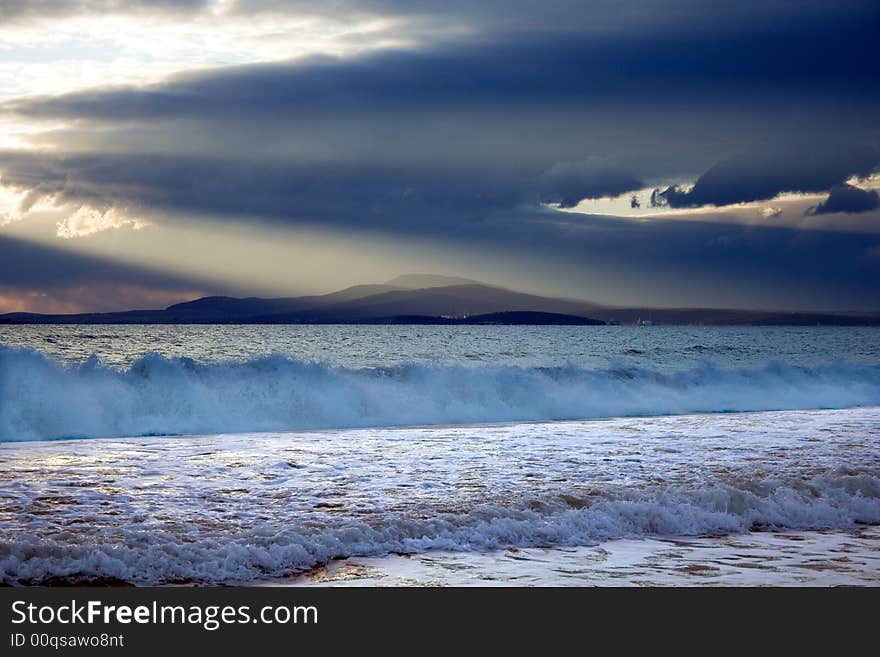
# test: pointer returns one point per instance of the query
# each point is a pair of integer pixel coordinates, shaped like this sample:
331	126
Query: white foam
42	399
255	553
251	507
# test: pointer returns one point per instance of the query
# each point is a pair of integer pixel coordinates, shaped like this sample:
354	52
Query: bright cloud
88	221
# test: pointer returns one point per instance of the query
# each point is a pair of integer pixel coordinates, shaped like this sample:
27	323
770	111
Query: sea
431	455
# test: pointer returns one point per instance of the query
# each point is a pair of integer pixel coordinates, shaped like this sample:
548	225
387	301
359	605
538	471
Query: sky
668	154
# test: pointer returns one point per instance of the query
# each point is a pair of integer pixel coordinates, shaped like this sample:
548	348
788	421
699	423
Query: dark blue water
662	348
98	381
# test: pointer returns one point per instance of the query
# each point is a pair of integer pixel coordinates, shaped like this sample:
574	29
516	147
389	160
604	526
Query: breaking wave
43	399
188	553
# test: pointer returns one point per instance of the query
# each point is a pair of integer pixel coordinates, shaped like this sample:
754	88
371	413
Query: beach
739	498
789	558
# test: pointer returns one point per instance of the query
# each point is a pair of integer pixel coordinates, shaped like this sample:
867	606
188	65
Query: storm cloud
567	183
465	135
51	279
761	175
847	198
675	64
405	136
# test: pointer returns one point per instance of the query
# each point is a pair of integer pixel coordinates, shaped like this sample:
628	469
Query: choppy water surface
661	347
69	382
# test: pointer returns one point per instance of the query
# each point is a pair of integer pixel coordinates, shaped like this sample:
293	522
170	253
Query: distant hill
513	318
450	301
421	281
532	318
211	309
429	299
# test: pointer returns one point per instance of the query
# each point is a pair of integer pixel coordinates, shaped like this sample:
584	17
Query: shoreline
831	557
765	558
9	444
246	508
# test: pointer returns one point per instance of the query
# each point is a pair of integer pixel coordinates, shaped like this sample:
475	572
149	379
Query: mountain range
430	299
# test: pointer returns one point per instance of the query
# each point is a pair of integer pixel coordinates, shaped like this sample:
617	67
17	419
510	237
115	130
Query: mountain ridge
460	301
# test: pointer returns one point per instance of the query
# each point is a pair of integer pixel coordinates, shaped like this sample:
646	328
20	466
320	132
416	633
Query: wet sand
814	558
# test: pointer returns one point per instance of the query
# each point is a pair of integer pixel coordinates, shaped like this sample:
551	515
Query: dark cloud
402	196
567	183
596	16
737	69
55	280
453	133
28	263
846	198
762	174
675	263
567	16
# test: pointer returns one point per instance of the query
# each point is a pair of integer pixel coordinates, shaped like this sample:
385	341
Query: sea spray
44	399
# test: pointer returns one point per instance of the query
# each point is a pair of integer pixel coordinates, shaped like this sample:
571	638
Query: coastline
772	558
253	508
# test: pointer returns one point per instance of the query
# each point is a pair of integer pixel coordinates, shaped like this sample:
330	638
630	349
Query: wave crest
834	500
43	399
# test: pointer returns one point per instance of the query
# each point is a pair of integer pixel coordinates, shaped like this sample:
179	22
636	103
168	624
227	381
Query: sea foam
139	554
249	507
